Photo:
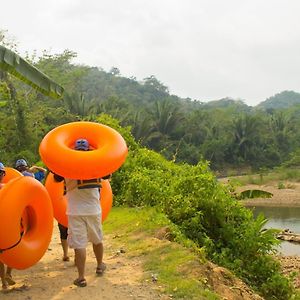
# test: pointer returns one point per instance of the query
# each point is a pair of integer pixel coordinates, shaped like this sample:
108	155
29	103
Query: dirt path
52	279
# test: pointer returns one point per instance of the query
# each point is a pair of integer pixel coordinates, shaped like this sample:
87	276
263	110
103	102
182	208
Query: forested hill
282	100
226	132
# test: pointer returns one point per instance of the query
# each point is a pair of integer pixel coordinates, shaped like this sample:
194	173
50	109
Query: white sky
202	49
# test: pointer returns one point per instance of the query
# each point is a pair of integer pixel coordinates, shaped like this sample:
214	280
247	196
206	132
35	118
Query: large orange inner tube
59	201
10	174
17	196
107	153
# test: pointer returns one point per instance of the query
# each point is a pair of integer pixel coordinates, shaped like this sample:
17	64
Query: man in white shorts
84	218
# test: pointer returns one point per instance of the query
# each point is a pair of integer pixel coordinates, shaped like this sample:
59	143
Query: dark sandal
67	258
80	282
100	270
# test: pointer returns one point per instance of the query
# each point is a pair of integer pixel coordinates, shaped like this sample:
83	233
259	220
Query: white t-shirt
82	202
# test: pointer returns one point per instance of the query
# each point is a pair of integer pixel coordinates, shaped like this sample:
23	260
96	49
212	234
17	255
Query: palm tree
167	117
281	129
245	131
77	104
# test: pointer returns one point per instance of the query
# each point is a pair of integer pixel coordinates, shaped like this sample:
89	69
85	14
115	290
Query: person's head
2	171
21	165
82	144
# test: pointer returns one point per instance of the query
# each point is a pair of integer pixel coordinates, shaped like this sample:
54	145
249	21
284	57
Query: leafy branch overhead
17	66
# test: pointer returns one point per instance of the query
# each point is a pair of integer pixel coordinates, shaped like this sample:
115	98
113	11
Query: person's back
82	201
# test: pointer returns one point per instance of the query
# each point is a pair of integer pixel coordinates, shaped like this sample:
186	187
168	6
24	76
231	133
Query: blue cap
2	168
82	144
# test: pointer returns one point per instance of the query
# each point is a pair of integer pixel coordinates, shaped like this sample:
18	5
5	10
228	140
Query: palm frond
17	66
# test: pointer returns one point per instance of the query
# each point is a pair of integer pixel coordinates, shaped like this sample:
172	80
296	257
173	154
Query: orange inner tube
10	174
17	196
107	153
59	201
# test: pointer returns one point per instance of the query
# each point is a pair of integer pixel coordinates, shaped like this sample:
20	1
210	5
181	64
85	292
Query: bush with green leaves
206	213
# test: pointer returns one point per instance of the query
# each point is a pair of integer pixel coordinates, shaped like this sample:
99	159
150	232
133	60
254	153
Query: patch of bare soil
291	265
226	285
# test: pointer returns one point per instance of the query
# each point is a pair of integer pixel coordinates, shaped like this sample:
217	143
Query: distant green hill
284	99
228	103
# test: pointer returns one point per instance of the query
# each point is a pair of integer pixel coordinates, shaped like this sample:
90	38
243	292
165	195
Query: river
283	218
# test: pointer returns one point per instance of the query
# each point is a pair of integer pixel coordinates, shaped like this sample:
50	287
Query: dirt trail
51	278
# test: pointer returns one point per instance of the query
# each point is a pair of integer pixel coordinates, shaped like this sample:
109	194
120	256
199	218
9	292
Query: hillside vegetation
227	132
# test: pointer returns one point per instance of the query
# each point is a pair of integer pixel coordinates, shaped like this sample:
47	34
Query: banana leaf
19	67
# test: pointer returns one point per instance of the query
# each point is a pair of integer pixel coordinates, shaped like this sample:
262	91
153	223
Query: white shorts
84	229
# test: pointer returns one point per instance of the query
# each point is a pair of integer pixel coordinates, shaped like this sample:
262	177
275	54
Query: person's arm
36	168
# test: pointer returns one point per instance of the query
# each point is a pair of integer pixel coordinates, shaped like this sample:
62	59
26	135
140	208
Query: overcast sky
202	49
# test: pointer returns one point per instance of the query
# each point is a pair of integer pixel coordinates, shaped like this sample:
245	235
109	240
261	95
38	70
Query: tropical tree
281	129
245	131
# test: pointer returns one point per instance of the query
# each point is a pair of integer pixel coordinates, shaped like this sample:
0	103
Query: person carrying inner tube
6	277
34	171
84	218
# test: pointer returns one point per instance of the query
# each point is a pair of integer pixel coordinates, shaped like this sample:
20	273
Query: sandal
66	258
100	270
80	282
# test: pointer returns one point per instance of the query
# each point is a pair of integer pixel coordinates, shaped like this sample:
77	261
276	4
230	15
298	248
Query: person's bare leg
65	248
80	257
2	276
98	251
8	271
8	276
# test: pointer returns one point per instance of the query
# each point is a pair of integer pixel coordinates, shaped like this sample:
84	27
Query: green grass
175	264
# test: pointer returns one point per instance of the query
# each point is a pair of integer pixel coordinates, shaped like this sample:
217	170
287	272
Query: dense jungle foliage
188	133
193	199
228	133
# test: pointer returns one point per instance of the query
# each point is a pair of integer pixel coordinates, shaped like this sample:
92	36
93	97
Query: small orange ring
59	202
24	193
107	153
